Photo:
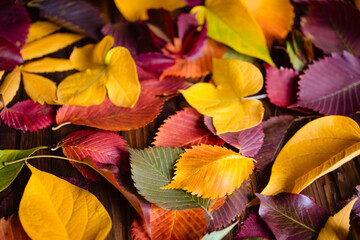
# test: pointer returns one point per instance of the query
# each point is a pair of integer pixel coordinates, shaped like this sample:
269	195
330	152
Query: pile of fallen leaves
222	58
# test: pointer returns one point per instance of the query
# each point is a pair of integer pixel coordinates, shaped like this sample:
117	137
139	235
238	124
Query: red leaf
254	227
185	129
281	86
11	229
105	148
107	116
27	115
331	85
154	61
164	87
248	141
10	55
138	231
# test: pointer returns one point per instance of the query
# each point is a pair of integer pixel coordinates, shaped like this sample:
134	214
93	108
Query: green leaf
218	235
151	169
8	173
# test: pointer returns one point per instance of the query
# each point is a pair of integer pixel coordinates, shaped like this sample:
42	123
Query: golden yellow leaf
40	89
49	44
357	3
210	171
234	80
47	64
275	17
337	226
41	29
1	74
10	85
52	208
137	9
317	148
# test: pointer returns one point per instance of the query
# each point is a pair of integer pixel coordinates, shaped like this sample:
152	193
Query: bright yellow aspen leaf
101	70
337	226
210	171
41	29
40	89
49	45
317	148
224	101
10	86
47	64
275	17
137	9
52	208
231	23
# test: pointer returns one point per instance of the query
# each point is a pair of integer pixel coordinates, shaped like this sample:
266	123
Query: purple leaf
292	216
27	115
154	61
77	15
165	87
186	23
356	206
10	55
281	86
331	85
248	141
333	26
191	3
254	227
80	182
234	205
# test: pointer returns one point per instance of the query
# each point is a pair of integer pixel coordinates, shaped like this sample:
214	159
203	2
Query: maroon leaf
292	216
254	227
105	149
164	87
27	115
331	85
234	205
145	75
191	3
333	26
107	116
185	129
248	141
154	61
10	55
281	86
80	182
77	15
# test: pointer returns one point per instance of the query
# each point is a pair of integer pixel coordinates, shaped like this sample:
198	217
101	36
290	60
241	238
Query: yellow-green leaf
10	85
41	29
52	208
137	9
49	45
317	148
234	80
40	89
47	64
210	171
337	227
231	23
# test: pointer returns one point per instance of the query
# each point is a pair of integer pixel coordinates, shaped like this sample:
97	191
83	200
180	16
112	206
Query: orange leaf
216	203
11	229
210	171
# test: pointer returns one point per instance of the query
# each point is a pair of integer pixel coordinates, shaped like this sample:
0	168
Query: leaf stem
258	97
208	213
42	156
60	126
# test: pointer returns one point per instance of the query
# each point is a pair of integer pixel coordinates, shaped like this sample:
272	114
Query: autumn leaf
40	29
210	171
337	226
27	115
11	229
317	148
47	64
164	87
185	129
100	72
52	208
10	86
107	116
40	89
230	22
225	101
10	56
254	228
219	234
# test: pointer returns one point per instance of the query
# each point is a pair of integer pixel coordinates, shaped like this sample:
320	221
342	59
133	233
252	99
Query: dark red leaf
185	129
333	26
331	85
292	216
191	3
281	86
154	61
248	141
107	116
164	22
164	87
27	115
145	75
10	55
254	227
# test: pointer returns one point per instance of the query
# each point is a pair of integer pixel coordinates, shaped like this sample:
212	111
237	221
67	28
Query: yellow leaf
10	86
137	9
275	17
231	23
41	29
1	74
234	80
317	148
49	45
337	227
210	171
40	89
47	64
52	208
